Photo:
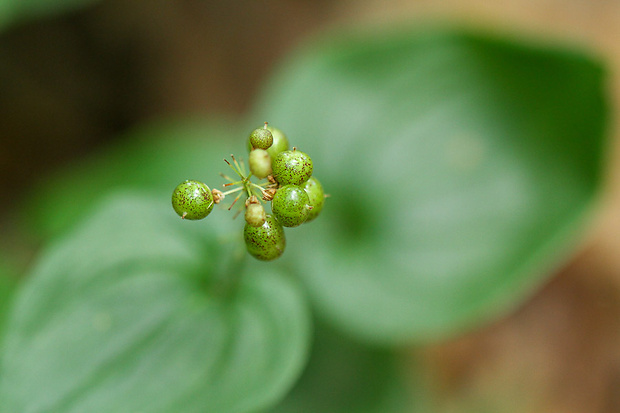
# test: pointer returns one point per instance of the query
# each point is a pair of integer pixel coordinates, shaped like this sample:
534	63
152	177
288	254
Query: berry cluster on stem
286	182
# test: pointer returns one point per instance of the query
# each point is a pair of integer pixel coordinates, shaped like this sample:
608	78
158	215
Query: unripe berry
316	197
255	215
292	167
261	138
290	205
260	163
192	200
266	242
280	142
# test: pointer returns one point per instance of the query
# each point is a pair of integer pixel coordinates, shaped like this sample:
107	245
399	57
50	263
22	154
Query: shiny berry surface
260	163
192	200
290	205
280	142
292	167
266	242
316	197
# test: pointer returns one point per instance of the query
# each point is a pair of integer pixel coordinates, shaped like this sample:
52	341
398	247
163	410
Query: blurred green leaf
139	310
8	283
344	376
154	157
461	170
16	11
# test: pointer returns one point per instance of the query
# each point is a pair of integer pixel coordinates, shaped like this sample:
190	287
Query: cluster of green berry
295	195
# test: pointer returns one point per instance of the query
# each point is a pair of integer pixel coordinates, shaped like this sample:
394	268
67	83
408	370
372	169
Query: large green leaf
15	11
344	376
139	310
8	282
461	169
153	157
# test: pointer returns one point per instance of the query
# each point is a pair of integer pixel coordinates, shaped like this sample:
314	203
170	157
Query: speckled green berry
192	200
280	142
292	167
255	215
261	138
290	205
314	189
266	242
260	163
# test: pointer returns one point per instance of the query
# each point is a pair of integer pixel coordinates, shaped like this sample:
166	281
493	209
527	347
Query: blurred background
71	84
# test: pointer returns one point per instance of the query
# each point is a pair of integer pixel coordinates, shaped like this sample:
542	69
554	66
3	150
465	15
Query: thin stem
233	183
260	188
247	185
242	167
228	178
235	167
232	191
259	195
235	201
239	170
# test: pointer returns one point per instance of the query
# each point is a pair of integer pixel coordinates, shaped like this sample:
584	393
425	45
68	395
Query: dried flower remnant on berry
218	196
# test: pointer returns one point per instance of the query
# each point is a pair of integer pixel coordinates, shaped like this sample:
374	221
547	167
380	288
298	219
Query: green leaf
152	158
16	11
345	376
8	283
139	310
461	169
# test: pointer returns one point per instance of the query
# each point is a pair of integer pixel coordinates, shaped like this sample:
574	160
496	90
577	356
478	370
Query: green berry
192	200
292	167
280	142
261	138
314	189
255	215
266	242
260	163
290	205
